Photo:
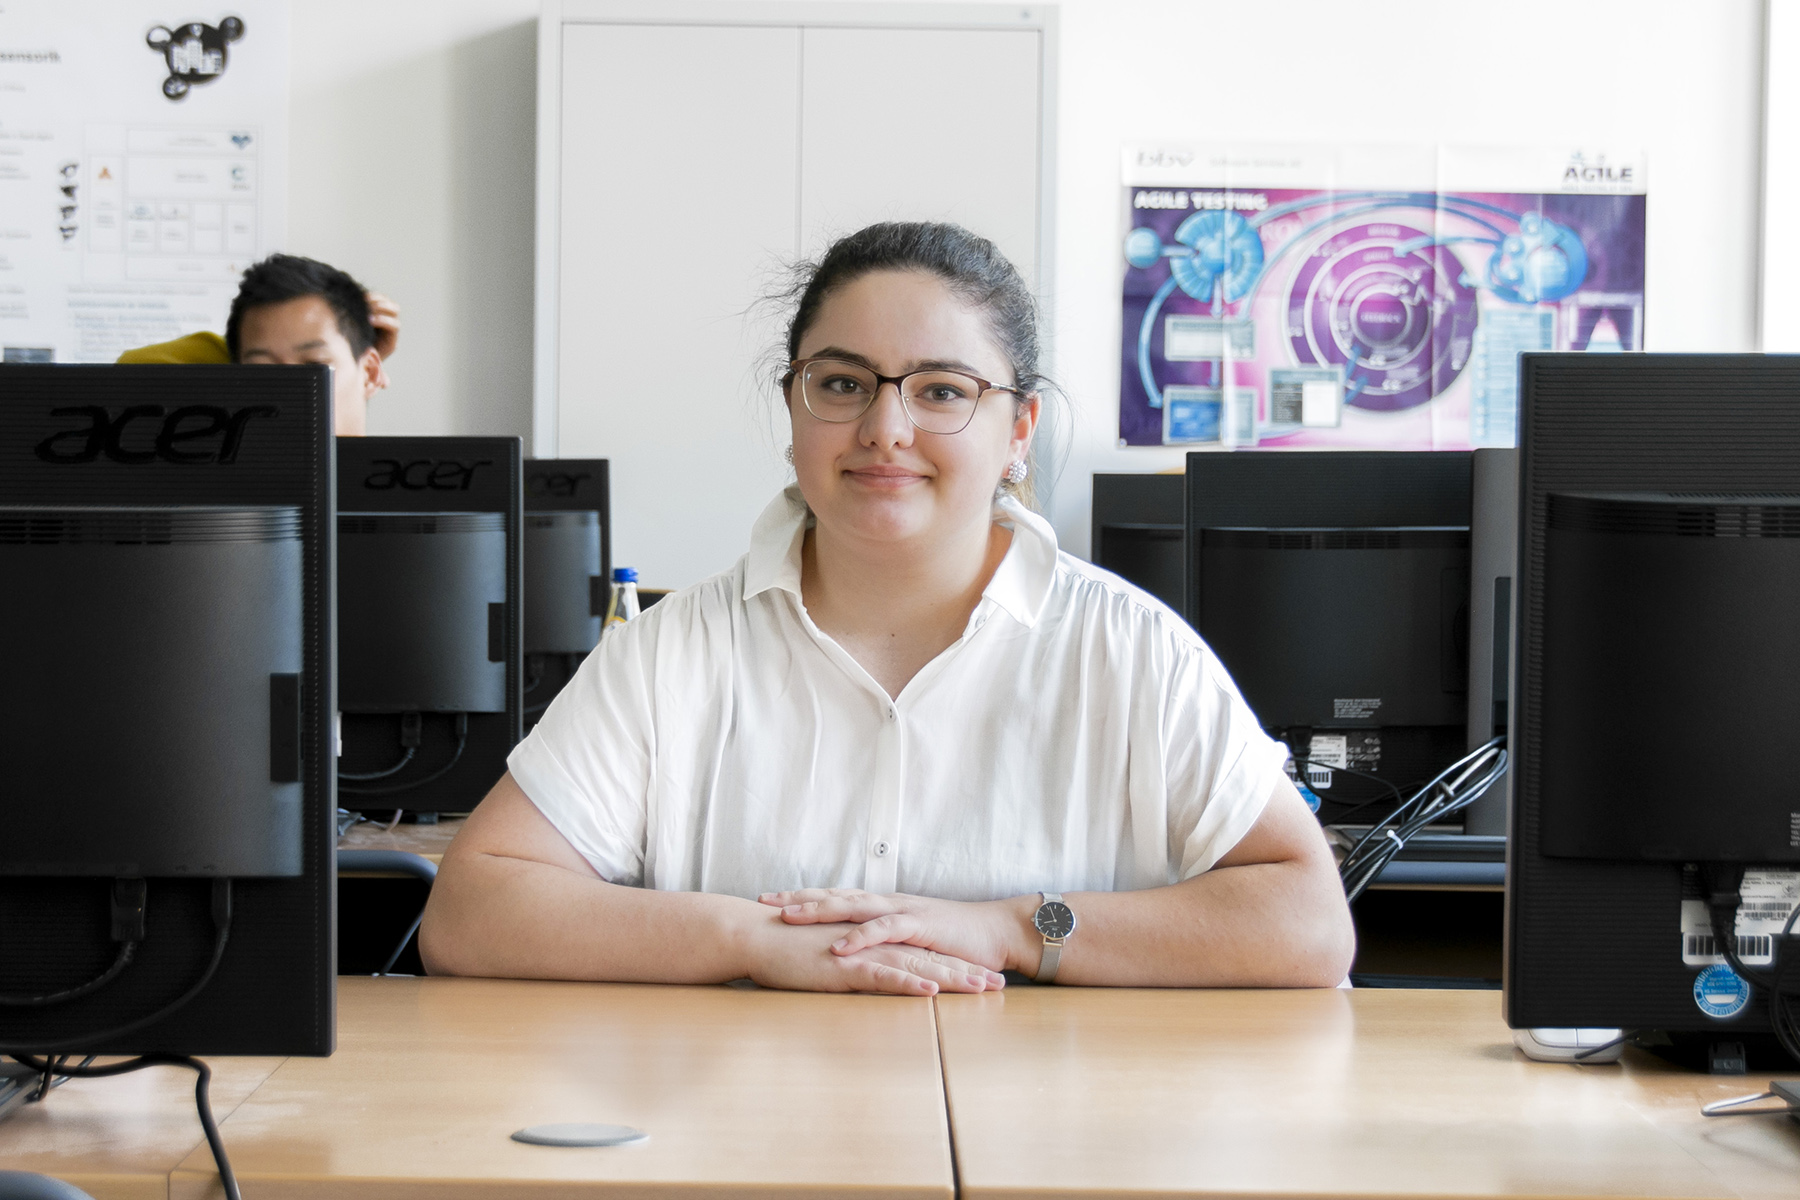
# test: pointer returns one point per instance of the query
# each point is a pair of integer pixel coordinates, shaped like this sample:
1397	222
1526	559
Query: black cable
221	912
128	906
1722	884
202	1100
405	760
394	789
1603	1047
119	963
1433	802
1308	760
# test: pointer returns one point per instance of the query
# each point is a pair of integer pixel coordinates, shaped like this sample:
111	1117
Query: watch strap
1046	972
1053	947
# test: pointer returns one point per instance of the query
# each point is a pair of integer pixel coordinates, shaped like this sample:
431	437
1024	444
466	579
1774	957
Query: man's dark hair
283	277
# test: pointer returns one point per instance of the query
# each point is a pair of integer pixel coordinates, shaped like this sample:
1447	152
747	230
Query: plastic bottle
624	603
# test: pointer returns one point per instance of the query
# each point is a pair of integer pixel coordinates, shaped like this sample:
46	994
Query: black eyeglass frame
799	365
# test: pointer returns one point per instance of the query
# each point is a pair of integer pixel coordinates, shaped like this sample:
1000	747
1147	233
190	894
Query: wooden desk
119	1138
741	1091
1078	1093
428	841
1062	1092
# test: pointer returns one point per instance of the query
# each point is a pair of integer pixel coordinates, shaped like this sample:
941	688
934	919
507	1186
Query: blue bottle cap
624	574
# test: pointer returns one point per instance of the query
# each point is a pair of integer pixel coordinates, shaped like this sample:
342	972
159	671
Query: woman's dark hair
972	266
283	277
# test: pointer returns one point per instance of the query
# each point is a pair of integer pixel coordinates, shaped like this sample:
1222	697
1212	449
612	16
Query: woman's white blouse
1079	736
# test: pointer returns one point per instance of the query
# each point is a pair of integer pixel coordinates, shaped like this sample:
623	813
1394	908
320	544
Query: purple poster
1279	297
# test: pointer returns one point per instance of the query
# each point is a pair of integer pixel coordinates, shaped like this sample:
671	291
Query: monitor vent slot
1677	515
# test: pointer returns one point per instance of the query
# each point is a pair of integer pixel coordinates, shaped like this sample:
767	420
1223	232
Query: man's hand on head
384	315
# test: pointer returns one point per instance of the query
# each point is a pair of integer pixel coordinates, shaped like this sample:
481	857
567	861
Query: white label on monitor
1330	750
1769	899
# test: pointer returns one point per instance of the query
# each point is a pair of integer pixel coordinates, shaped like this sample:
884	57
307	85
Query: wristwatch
1056	921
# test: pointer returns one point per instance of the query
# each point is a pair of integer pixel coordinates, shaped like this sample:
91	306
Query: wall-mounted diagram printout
1374	297
143	159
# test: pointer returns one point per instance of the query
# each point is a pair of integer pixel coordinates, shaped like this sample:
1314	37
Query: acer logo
144	433
424	474
557	483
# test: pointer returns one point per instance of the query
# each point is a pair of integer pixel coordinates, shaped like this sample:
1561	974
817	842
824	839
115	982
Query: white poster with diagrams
143	166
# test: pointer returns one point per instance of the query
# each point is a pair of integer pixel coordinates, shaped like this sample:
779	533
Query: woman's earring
789	455
1015	474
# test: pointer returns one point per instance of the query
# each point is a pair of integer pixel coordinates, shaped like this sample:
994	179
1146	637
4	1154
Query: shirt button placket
882	873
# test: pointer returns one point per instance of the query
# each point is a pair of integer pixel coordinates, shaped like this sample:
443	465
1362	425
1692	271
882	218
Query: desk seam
937	1034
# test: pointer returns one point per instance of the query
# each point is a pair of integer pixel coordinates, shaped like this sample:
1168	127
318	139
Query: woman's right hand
800	958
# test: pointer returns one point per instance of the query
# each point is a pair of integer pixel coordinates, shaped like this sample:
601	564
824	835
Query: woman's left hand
991	933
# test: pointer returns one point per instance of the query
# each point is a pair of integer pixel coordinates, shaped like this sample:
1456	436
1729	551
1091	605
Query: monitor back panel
1425	494
1493	546
481	477
1137	532
172	435
1595	942
562	485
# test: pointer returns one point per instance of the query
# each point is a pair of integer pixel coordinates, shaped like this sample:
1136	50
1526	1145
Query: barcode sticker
1769	899
1330	750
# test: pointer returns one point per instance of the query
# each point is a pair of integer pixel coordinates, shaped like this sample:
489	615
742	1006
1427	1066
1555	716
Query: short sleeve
1221	767
586	765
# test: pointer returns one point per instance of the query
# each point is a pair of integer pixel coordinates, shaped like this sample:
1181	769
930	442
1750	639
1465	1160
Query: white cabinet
686	151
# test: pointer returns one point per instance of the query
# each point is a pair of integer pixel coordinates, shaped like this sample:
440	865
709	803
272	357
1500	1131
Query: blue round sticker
1719	992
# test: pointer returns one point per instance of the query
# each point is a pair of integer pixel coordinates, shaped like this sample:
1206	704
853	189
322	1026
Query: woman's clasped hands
908	945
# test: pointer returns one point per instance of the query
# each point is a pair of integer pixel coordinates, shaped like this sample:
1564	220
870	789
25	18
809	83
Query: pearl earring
1015	474
789	455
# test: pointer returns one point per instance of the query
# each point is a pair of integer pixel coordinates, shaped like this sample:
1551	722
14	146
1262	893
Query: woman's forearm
517	918
1278	922
1250	926
514	899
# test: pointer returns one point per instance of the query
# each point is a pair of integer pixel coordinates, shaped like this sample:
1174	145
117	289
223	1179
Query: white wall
412	132
1781	182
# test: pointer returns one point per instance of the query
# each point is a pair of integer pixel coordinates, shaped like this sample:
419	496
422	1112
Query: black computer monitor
1137	532
166	705
1493	547
429	610
568	561
1334	587
1659	558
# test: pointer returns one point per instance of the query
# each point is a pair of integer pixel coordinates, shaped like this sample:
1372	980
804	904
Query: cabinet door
678	169
922	124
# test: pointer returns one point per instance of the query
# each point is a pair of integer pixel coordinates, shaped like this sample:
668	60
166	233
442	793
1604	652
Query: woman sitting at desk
904	744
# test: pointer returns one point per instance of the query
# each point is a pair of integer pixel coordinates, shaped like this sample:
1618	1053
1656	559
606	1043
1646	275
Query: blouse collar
1019	587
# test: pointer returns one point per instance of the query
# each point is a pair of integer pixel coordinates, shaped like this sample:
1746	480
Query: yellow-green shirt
194	348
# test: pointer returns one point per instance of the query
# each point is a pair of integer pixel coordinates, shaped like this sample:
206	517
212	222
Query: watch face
1054	920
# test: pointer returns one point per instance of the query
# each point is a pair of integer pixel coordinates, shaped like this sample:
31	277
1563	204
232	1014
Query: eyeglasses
935	401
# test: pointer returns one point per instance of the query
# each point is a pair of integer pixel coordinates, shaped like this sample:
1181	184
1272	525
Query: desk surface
740	1090
1088	1093
428	840
1066	1092
119	1138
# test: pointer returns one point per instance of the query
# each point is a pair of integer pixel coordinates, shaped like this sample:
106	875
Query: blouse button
881	849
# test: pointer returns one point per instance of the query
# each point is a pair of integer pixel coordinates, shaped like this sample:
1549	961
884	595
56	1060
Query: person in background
905	744
291	309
